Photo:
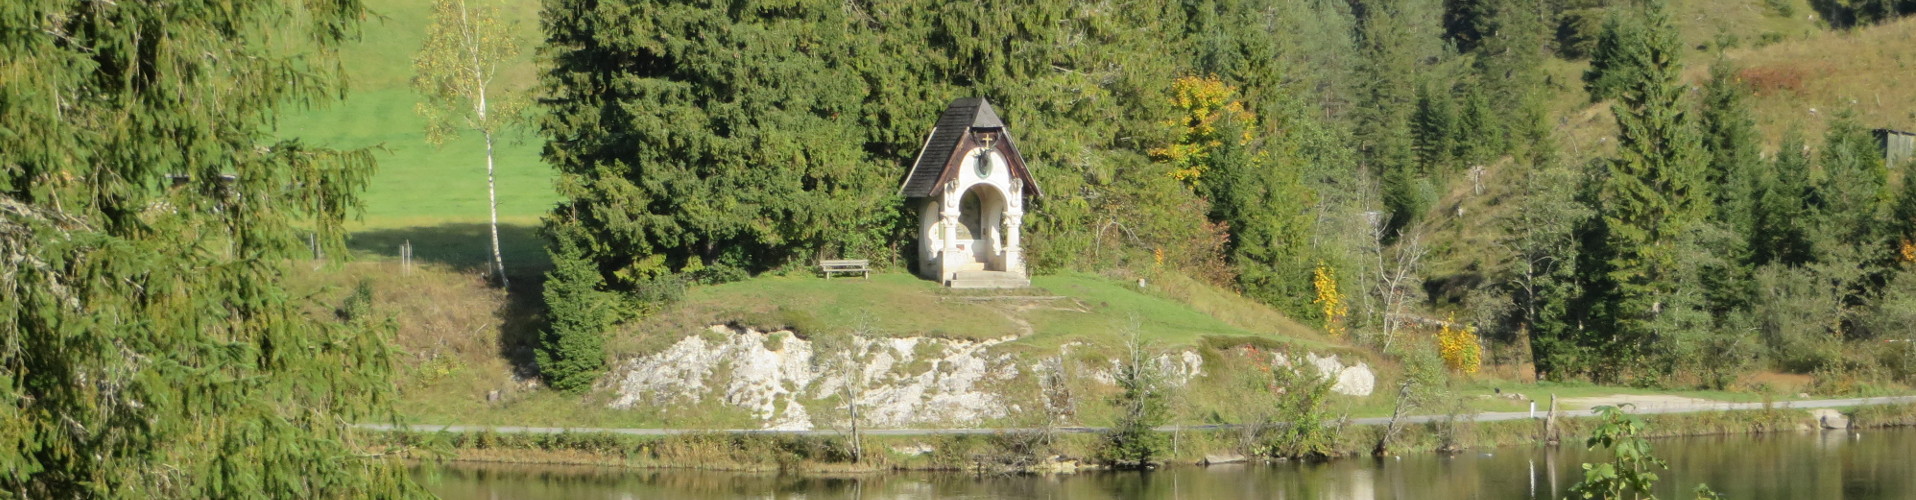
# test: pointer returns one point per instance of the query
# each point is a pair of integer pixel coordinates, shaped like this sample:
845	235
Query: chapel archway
981	213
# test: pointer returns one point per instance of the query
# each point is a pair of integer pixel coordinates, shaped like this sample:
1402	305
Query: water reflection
1869	465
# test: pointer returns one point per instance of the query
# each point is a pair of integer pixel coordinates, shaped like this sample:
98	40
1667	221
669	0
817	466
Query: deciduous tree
457	71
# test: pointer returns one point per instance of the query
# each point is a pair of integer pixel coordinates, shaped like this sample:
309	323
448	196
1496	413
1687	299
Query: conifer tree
1779	218
1729	134
148	345
1436	124
1468	22
730	140
1654	193
1849	195
1390	48
1510	76
1617	55
571	350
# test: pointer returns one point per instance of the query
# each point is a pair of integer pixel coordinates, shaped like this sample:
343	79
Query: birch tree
456	72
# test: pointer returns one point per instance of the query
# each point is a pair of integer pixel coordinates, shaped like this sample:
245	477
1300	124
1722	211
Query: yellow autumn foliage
1457	344
1329	300
1200	102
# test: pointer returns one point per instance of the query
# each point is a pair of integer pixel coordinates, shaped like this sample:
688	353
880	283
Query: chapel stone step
987	279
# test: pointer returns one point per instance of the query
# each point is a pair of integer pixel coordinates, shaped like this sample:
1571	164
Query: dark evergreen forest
1263	146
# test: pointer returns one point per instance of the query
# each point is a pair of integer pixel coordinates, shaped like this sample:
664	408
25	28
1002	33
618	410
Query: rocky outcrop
903	381
897	381
1355	379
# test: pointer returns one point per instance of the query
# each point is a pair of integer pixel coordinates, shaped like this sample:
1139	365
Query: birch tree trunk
492	202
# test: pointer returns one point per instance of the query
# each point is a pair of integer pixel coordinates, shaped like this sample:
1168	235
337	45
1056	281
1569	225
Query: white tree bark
492	202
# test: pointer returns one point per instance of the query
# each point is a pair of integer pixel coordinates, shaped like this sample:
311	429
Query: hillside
457	338
462	340
1797	87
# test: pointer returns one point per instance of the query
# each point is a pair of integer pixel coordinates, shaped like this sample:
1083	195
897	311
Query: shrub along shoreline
1036	452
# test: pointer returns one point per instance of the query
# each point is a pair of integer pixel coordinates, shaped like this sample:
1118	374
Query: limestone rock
1222	458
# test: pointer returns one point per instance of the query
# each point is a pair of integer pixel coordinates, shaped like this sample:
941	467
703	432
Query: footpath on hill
1695	407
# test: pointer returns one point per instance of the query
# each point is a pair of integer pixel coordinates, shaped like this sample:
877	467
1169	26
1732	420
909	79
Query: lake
1868	464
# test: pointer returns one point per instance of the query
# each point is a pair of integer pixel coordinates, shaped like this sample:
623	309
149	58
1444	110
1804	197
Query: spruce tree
1851	192
1617	56
148	345
1655	192
1509	70
1730	135
730	139
571	350
1780	223
1436	124
1389	45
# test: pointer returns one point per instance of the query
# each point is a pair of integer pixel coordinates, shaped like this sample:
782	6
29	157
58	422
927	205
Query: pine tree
148	345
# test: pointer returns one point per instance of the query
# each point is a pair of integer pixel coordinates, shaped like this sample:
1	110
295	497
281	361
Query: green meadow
431	196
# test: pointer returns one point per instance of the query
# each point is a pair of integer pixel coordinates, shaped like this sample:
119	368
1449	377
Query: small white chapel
970	185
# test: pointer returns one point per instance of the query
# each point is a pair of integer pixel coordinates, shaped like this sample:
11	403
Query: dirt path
1706	406
1640	401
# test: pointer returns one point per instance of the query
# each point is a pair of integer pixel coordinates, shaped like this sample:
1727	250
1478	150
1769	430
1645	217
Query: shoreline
1009	451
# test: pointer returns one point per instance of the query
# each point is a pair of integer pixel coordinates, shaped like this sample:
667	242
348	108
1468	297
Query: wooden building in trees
1898	146
969	186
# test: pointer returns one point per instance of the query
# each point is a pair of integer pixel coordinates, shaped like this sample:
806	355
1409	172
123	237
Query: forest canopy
1296	152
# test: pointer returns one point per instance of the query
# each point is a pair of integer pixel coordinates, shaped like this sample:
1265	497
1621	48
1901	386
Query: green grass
421	184
885	304
1075	307
433	196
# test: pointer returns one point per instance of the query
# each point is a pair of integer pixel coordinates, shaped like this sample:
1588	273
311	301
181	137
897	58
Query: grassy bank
832	454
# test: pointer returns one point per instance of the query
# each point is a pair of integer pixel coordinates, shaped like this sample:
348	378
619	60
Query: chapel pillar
949	258
1014	228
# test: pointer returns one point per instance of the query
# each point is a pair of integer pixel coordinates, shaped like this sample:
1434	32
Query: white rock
951	388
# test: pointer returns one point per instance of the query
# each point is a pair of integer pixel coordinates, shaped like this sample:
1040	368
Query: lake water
1870	464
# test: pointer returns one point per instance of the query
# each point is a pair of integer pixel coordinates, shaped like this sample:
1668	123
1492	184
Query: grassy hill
1172	311
1802	83
458	340
1803	75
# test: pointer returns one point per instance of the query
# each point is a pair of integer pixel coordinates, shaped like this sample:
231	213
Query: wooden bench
860	266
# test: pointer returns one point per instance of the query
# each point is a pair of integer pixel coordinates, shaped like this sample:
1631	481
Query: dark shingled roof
961	116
